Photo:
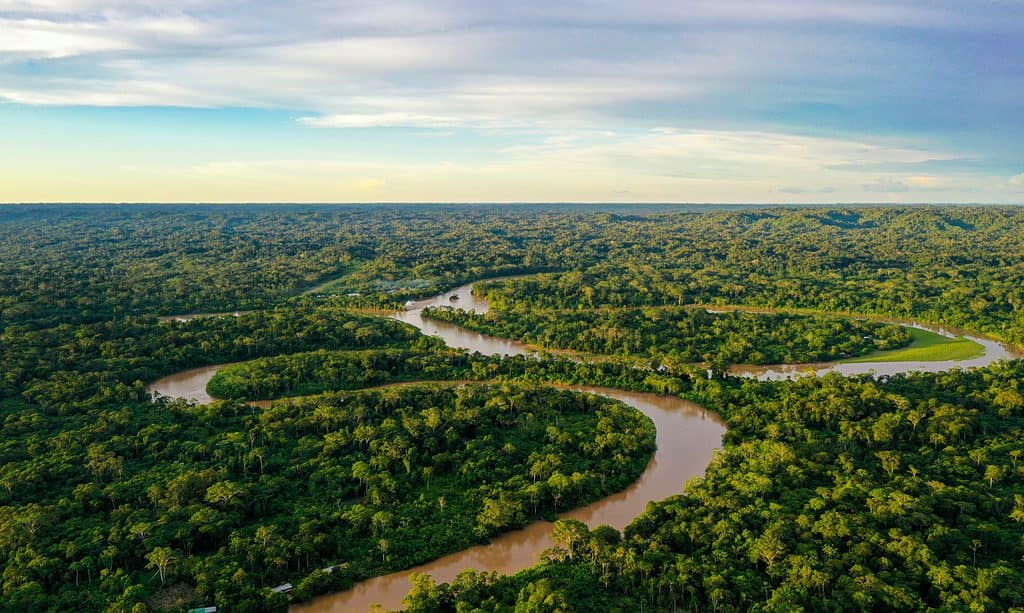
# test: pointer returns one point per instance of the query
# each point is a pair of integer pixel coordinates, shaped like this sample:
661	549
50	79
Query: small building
203	610
284	587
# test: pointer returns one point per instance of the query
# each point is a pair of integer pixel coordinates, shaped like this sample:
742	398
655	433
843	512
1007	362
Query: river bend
687	435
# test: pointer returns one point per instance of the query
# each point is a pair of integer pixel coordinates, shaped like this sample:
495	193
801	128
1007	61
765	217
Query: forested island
837	493
678	335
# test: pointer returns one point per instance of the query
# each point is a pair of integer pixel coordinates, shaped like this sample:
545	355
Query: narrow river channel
687	435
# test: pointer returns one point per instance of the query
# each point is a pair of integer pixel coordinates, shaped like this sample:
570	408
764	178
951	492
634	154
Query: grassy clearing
927	346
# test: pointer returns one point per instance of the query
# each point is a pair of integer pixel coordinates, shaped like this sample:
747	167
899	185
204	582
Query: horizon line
501	203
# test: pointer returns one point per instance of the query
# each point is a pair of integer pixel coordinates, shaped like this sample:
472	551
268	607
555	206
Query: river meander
687	435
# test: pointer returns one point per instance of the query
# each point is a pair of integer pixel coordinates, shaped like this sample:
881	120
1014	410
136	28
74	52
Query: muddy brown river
687	435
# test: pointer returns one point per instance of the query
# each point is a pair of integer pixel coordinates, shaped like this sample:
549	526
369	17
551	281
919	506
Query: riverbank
687	435
926	346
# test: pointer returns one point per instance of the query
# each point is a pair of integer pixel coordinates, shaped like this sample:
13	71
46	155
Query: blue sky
700	101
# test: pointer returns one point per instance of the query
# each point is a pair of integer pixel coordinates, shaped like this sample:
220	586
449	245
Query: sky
766	101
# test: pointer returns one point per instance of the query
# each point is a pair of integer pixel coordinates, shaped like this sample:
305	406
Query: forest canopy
239	499
904	492
680	335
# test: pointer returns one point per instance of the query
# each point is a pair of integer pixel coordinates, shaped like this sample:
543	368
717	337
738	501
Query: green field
927	347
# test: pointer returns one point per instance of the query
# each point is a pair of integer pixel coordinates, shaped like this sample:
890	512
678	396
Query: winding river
687	435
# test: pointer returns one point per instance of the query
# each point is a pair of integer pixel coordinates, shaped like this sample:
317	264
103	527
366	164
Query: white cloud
375	54
33	38
114	94
740	154
432	63
493	103
385	119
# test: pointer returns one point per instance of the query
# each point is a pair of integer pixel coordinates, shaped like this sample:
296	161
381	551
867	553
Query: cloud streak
318	58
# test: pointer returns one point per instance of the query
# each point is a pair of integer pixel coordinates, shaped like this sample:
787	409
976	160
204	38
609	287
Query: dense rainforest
830	494
678	335
833	493
233	500
958	266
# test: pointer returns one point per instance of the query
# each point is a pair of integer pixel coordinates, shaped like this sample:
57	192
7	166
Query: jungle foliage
681	335
830	494
233	500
